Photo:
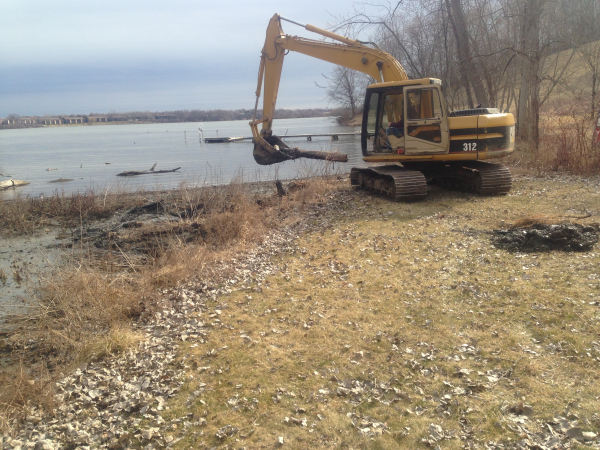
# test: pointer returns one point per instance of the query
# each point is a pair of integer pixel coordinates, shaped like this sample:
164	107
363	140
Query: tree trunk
468	68
501	104
528	116
594	93
596	135
468	91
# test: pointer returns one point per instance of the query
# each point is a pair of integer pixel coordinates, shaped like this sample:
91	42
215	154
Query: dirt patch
143	232
541	237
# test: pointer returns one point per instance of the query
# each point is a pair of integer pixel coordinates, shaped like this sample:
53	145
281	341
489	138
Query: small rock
42	444
147	434
575	433
436	432
462	373
527	410
589	436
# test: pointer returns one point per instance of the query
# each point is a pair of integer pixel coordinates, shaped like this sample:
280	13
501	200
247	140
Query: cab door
426	121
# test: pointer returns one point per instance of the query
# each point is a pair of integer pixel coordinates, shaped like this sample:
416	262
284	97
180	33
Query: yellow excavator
406	130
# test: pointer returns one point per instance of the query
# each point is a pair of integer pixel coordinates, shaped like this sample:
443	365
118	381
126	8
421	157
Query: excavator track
401	184
494	179
479	177
406	184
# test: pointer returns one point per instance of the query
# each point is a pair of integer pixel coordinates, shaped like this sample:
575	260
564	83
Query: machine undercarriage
409	182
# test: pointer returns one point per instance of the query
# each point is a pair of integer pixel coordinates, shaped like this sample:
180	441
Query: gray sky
78	57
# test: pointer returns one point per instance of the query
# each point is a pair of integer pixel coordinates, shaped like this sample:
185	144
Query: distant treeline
194	115
216	115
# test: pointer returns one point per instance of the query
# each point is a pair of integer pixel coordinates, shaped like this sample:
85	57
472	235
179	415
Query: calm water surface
93	155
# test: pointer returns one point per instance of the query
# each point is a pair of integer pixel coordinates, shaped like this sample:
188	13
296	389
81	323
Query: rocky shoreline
103	403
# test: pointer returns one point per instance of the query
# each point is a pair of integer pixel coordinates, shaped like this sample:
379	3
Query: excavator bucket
272	150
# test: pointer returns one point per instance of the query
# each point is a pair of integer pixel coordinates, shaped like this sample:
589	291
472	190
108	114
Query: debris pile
543	237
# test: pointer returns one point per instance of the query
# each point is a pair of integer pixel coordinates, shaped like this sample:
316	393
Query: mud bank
22	260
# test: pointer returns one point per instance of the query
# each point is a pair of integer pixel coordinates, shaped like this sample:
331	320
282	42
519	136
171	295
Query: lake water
94	155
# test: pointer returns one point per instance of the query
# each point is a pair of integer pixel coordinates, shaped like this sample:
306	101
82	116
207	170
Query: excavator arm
353	54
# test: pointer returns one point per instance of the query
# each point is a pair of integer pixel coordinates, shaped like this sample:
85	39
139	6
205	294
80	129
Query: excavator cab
387	119
405	118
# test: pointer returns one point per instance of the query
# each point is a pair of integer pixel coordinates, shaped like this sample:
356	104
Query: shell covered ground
369	324
390	325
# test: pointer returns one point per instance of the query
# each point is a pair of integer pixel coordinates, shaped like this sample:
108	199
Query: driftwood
133	173
61	180
272	150
223	139
12	183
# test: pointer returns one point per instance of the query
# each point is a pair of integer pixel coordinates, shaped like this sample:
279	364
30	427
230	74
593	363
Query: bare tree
529	52
346	88
382	17
513	54
467	67
590	55
585	16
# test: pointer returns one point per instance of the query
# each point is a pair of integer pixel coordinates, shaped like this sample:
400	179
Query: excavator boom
353	54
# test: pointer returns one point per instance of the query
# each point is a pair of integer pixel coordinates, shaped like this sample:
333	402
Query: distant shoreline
138	122
18	126
14	121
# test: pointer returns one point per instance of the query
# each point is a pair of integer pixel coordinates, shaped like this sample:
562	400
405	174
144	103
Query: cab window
423	104
372	114
393	107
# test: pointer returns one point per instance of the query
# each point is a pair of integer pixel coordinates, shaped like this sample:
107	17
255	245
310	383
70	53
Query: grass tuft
116	341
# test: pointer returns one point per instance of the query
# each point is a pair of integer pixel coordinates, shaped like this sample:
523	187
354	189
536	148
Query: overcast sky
78	57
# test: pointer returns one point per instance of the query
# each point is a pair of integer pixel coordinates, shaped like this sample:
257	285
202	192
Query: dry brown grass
117	340
406	285
87	303
80	298
26	214
566	131
22	388
374	277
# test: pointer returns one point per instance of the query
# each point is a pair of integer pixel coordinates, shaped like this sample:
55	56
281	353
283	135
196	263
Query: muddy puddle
22	260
